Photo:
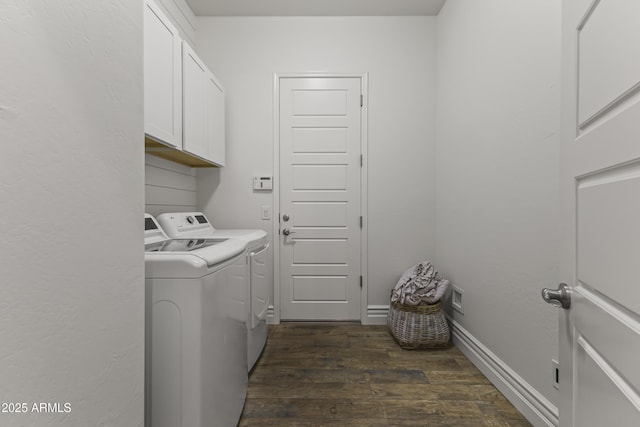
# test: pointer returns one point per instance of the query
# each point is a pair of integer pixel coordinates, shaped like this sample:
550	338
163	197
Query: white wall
498	176
169	186
399	54
71	189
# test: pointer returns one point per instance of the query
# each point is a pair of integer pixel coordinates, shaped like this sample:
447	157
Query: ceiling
316	8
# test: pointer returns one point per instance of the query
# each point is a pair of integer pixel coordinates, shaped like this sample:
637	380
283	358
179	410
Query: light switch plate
266	213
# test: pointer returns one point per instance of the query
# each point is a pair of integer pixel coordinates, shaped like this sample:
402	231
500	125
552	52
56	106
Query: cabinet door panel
194	104
216	121
162	78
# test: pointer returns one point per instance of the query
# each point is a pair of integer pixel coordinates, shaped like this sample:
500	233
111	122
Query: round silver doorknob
560	297
286	232
285	217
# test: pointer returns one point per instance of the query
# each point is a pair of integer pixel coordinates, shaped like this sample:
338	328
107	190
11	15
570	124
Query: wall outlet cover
456	299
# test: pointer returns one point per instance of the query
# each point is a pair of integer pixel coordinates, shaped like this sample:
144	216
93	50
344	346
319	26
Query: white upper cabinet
162	78
215	123
195	103
203	103
183	101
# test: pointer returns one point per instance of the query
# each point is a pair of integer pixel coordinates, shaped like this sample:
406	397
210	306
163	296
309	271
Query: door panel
162	77
319	177
599	386
320	140
325	214
592	313
322	102
320	194
195	103
609	64
609	236
320	251
215	108
600	333
320	288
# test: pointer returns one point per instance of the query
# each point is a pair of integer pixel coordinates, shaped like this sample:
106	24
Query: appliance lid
196	262
182	245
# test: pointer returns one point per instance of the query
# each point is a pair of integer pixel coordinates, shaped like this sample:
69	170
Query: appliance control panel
152	231
184	224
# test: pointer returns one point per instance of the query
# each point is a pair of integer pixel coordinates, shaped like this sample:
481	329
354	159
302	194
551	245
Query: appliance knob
190	220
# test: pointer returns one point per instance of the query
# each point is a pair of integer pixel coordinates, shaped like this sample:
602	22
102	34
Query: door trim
274	317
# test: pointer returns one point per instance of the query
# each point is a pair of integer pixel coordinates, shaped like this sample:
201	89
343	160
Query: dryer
196	333
196	225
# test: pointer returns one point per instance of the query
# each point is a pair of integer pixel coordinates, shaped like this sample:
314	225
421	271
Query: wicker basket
417	327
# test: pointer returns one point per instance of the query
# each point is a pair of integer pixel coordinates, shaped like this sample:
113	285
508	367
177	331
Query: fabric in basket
420	283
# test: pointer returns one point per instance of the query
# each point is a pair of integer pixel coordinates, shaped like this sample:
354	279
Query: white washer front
196	225
196	333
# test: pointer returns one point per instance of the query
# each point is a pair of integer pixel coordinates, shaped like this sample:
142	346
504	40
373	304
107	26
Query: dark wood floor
345	374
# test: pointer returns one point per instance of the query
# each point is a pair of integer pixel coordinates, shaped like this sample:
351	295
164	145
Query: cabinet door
215	121
162	78
194	103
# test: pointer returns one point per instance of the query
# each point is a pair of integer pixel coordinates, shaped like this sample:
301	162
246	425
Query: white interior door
600	332
320	163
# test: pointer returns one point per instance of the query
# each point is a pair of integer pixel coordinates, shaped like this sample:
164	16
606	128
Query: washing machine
196	333
196	225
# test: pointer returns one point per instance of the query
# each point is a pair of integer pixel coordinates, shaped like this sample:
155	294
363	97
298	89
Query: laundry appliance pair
196	225
201	338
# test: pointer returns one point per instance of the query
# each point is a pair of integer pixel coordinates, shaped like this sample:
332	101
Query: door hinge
360	221
361	281
361	100
361	160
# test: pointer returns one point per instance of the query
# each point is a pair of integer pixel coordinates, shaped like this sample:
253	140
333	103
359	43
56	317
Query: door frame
274	314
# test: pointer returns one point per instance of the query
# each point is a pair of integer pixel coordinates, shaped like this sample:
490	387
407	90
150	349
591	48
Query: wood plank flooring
347	374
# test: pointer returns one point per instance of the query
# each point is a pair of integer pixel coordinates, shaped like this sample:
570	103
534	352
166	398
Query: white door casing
320	197
600	332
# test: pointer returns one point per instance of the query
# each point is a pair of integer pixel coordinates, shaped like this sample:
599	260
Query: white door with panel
600	330
320	184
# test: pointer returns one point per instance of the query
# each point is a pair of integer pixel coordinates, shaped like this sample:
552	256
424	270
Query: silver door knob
286	232
285	217
560	297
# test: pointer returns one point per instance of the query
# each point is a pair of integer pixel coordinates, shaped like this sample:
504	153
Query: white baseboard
535	407
376	315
